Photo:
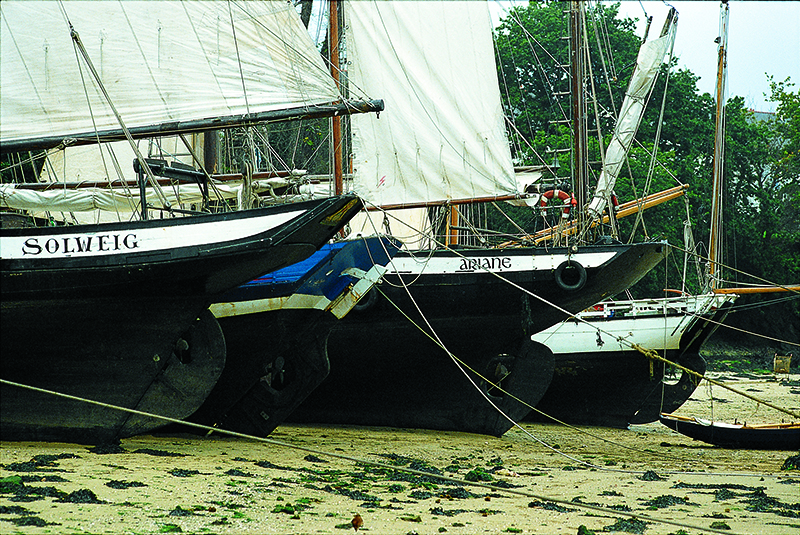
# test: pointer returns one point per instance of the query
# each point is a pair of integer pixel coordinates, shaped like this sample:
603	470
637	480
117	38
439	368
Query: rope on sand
280	443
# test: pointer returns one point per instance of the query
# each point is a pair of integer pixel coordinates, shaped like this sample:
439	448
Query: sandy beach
311	479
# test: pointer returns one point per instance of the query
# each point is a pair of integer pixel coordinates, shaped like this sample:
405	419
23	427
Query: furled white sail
442	135
90	199
161	62
651	56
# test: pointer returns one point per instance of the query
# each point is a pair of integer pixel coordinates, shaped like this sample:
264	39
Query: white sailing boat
600	377
109	312
443	142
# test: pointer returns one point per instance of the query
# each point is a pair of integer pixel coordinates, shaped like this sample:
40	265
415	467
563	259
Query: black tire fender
366	302
570	286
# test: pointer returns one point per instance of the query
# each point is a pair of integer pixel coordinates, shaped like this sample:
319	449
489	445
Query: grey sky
763	37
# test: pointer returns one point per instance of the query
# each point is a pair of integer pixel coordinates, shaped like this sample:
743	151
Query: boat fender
568	200
366	302
574	269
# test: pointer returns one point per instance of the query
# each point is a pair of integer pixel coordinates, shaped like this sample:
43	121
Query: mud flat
538	479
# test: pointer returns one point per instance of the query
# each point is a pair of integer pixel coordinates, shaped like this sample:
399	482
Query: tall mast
580	163
336	125
715	239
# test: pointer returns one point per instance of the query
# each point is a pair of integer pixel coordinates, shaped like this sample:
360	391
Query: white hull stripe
81	244
497	263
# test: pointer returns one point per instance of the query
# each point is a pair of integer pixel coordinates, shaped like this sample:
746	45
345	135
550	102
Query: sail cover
442	135
160	61
651	56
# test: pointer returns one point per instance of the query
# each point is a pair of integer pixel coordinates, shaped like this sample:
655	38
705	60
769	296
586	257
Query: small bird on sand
357	521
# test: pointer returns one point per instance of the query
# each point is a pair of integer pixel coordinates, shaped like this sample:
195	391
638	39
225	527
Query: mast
715	238
580	155
336	120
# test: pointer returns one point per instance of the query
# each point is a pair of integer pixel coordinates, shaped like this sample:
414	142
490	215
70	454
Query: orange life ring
568	200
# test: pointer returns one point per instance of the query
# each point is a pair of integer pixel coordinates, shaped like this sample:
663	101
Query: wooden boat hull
598	381
112	322
276	328
387	372
734	436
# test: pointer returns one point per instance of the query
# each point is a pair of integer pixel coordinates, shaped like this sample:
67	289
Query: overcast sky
763	37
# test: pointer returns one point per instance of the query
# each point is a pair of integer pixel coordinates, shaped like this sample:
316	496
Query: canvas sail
648	63
162	63
442	136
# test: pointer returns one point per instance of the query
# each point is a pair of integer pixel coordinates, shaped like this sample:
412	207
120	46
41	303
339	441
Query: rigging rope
350	458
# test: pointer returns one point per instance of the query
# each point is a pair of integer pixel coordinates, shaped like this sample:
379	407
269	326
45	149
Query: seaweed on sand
40	463
667	500
29	521
551	506
80	496
122	485
759	502
628	525
158	453
792	463
180	472
650	475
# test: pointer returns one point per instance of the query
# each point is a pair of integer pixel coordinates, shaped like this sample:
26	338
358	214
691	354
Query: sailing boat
117	313
778	436
445	144
600	377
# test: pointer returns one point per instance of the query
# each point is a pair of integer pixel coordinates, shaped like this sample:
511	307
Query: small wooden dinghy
739	436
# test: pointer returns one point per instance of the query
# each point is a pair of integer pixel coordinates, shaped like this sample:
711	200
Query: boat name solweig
493	262
80	244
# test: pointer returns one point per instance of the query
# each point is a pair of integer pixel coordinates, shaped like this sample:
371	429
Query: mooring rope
377	464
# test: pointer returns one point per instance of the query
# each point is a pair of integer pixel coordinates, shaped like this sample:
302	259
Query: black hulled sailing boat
446	145
118	312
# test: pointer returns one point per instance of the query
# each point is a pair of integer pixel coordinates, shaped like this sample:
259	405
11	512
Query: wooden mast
580	154
715	238
336	125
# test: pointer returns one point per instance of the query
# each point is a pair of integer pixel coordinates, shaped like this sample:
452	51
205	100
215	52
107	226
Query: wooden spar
182	127
116	183
452	224
715	239
580	155
336	126
623	210
427	204
758	289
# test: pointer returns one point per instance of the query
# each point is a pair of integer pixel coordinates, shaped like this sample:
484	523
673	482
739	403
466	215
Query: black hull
619	388
109	327
777	437
614	389
385	372
276	359
277	356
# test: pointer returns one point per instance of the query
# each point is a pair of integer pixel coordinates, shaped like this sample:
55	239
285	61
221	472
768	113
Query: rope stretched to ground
650	354
365	461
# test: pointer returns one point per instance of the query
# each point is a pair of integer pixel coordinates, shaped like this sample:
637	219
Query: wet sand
218	484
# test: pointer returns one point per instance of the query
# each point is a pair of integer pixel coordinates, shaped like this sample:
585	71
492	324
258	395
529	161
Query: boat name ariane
472	264
512	262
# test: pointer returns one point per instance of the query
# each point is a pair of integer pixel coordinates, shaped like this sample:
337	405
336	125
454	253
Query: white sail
161	62
18	197
442	135
648	63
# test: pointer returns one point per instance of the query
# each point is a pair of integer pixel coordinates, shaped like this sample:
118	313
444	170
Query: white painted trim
495	262
105	243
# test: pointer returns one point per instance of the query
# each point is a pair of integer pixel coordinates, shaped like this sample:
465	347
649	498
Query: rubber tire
366	302
559	275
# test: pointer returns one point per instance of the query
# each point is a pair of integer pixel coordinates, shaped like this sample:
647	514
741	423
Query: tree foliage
761	185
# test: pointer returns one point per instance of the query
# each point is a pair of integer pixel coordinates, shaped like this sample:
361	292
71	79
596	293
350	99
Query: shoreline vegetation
534	479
